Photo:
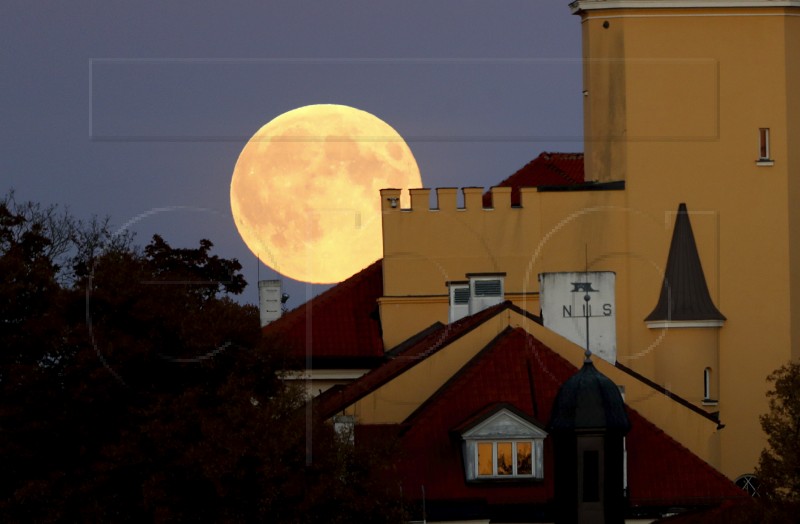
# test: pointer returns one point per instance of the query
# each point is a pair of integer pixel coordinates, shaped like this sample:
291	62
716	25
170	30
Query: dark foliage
137	390
779	464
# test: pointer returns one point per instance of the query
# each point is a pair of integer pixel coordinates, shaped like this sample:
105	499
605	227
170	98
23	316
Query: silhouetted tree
135	389
779	464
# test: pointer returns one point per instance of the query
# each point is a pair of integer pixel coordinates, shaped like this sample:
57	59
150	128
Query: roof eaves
614	185
414	339
672	396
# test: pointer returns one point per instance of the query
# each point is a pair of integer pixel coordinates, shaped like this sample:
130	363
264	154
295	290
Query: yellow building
686	102
669	248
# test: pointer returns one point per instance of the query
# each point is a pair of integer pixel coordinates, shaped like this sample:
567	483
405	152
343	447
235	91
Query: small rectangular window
763	144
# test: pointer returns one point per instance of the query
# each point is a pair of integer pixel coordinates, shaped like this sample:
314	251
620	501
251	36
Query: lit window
507	458
504	445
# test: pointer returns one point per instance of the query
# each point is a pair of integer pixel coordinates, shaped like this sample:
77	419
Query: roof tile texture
342	322
661	471
547	169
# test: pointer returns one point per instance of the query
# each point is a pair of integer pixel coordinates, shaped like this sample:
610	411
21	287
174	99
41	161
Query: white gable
504	424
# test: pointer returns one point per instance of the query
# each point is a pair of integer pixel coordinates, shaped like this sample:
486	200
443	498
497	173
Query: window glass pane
485	458
524	458
505	463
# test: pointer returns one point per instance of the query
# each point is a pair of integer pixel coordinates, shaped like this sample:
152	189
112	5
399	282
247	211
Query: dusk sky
140	111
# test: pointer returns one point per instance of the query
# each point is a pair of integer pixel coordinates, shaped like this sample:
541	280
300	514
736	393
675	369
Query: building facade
675	233
691	108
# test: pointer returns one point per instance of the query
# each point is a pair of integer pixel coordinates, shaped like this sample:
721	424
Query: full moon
305	190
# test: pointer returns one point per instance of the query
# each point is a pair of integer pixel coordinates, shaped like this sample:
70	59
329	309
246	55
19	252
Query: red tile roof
547	169
663	472
341	323
519	370
499	374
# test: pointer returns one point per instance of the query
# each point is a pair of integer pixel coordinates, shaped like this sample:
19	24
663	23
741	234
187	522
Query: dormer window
506	444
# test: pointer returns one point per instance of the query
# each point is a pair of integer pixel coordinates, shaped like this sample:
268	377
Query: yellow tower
692	171
698	102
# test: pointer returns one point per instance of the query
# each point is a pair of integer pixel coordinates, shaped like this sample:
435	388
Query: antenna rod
586	299
588	353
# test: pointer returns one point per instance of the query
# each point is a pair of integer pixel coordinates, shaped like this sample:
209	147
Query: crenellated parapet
447	199
441	239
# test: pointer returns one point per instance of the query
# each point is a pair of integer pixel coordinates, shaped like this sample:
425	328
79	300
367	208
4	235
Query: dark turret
588	424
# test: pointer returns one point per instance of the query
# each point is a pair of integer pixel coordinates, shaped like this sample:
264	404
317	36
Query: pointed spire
684	292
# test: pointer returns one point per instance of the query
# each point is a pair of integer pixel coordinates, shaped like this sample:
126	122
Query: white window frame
537	453
763	143
504	426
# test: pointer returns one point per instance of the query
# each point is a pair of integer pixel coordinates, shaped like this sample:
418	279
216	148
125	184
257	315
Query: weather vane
586	288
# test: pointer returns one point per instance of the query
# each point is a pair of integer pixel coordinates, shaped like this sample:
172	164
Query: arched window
750	484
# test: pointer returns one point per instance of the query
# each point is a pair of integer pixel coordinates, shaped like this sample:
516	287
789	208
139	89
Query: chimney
269	300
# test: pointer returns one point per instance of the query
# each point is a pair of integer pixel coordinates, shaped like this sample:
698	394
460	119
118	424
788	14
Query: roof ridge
455	330
486	349
409	357
485	352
